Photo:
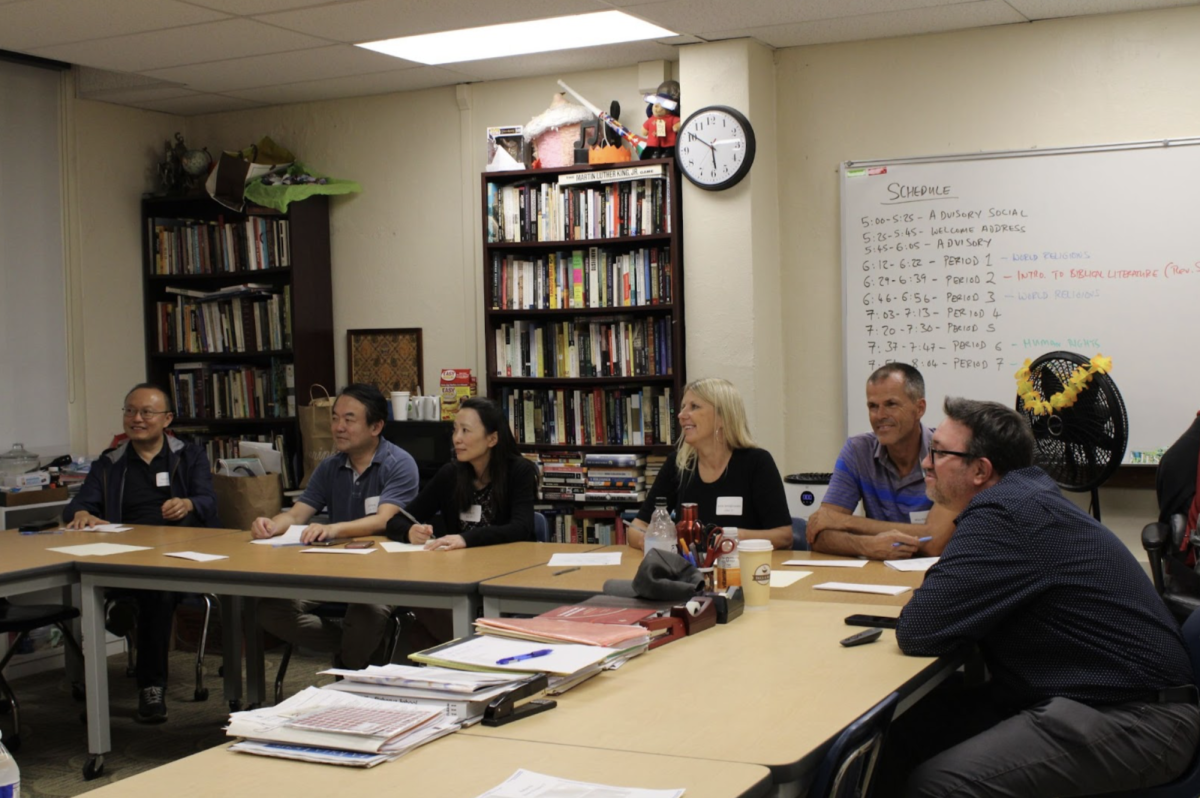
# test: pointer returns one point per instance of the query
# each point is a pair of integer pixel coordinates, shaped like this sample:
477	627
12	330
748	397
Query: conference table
454	767
438	579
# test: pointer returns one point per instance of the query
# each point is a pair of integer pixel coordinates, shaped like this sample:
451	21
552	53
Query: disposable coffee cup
754	556
400	405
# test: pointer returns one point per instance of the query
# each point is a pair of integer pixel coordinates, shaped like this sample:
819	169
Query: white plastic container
10	775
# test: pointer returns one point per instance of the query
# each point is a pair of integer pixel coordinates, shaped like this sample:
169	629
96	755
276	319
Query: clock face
715	147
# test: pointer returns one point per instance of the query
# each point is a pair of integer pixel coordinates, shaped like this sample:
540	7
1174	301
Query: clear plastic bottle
10	775
660	534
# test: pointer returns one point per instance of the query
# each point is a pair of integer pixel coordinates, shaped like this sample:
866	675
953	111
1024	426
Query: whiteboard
964	266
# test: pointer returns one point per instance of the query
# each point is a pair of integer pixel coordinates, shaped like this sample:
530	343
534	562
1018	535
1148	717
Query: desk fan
1082	445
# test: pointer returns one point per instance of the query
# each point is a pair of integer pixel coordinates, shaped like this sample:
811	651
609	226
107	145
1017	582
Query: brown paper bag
242	499
316	431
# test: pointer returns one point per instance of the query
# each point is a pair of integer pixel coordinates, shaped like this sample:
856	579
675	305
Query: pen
41	531
565	571
541	652
925	539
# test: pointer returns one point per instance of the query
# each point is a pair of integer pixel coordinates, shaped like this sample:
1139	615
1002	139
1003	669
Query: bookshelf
584	317
238	317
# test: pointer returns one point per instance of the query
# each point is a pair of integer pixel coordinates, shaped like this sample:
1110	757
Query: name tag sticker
371	505
729	505
471	514
162	480
919	517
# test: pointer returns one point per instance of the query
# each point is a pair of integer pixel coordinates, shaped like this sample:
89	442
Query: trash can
804	492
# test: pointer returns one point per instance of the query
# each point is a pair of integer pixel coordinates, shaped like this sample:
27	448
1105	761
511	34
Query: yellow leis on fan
1035	403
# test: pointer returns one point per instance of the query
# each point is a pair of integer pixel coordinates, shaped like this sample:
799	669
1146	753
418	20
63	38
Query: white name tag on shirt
472	514
729	505
919	517
162	480
371	505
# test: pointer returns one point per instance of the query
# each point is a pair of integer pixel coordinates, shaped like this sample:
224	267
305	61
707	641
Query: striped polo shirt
864	472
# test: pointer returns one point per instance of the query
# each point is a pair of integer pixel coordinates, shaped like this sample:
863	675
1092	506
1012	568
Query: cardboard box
34	497
456	385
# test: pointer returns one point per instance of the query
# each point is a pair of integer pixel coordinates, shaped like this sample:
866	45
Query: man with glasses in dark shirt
1090	691
157	480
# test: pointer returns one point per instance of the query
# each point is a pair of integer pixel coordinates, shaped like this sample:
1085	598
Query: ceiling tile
333	61
563	62
703	16
371	20
27	24
196	103
886	25
249	8
136	97
1049	9
353	86
212	41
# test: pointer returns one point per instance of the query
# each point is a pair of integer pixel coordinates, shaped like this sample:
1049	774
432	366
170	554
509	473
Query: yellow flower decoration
1036	404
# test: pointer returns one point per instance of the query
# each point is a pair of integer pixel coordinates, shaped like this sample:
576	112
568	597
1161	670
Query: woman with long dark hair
485	495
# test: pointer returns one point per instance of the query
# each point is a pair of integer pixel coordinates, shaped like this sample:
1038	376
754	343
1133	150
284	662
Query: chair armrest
1155	539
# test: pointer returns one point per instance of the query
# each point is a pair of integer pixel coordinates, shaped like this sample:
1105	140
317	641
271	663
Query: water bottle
10	775
660	534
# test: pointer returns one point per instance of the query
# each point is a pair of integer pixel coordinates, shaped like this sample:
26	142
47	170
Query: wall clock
715	147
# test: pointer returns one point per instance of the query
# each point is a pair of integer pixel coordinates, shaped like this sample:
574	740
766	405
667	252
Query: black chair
200	692
336	610
23	619
1187	785
848	765
1179	590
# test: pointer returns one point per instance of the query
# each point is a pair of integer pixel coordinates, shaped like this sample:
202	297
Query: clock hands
711	149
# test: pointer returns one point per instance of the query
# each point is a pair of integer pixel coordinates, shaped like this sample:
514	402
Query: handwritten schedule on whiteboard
966	266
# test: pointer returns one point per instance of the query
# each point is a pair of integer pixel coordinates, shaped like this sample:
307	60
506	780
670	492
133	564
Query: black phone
860	638
878	621
360	544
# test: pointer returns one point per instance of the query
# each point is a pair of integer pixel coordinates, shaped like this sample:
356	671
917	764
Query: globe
196	162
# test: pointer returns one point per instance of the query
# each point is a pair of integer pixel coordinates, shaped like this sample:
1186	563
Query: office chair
541	528
23	619
799	534
337	610
1187	785
848	765
200	692
1160	540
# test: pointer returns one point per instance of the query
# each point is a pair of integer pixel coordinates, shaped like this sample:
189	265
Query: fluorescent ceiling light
519	38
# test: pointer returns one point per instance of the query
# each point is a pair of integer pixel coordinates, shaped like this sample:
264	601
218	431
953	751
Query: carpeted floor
54	738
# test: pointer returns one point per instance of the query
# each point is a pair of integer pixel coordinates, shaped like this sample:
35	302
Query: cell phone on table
360	544
877	621
323	543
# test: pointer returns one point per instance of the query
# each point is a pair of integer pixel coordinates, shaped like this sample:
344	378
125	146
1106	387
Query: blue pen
925	539
541	652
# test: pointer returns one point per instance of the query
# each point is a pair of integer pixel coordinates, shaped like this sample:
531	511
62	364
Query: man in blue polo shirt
882	469
363	485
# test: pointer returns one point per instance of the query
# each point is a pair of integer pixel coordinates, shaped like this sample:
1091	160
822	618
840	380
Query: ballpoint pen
565	571
541	652
925	539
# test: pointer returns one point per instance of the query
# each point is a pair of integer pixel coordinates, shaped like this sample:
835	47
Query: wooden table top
453	767
873	573
771	688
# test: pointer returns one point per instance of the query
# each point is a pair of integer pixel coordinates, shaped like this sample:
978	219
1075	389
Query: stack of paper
338	728
914	564
460	695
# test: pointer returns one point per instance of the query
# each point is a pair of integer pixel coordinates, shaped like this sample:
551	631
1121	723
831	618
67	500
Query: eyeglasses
130	412
936	453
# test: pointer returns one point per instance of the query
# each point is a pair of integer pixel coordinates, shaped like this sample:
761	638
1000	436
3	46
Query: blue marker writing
541	652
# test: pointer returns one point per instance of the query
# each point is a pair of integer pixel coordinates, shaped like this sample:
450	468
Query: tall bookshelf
584	321
238	317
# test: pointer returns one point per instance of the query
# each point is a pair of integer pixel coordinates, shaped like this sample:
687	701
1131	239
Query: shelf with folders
582	417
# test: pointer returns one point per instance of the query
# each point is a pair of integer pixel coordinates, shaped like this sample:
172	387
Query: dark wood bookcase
237	365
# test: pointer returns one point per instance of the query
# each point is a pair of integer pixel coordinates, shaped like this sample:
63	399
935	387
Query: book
564	630
615	459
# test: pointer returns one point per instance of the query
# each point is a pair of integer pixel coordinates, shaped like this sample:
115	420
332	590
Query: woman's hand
448	543
420	533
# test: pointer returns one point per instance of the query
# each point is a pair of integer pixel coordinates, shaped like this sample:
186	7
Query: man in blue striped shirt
882	469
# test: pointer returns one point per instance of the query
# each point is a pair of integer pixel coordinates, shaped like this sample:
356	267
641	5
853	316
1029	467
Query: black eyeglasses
130	412
935	453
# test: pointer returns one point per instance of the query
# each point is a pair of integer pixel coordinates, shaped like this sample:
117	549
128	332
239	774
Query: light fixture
520	38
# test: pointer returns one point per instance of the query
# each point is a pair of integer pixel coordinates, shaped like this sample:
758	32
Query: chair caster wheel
201	694
94	768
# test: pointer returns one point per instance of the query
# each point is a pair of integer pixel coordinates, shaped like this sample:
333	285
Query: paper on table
195	555
598	558
829	563
337	551
98	549
101	528
527	784
850	587
915	564
391	546
785	578
484	652
289	538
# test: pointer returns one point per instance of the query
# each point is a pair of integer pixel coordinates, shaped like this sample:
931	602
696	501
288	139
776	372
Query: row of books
567	210
185	246
598	527
597	417
228	447
230	390
254	321
573	476
595	277
609	347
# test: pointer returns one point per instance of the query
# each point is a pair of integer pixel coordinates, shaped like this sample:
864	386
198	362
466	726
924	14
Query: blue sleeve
200	486
316	495
845	488
401	481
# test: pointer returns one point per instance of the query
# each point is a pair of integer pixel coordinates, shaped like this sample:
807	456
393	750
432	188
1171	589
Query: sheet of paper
195	555
597	558
98	549
333	550
850	587
391	546
527	784
289	538
785	578
828	563
485	651
102	528
915	564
